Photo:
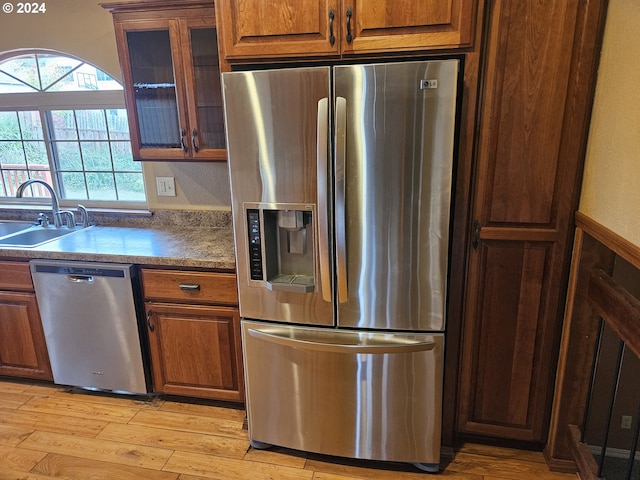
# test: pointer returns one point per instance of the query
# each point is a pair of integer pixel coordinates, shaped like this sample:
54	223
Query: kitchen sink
11	227
34	235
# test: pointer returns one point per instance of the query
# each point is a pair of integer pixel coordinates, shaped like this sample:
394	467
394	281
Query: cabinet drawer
15	276
190	287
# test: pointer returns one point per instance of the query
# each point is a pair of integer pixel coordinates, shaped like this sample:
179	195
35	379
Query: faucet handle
84	215
71	218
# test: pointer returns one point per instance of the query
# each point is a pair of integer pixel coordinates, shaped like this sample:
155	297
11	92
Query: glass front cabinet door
171	75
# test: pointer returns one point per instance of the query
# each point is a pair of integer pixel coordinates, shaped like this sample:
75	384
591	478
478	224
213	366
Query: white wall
85	30
611	185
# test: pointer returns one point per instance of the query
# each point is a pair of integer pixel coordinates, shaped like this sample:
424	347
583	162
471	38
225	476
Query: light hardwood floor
51	432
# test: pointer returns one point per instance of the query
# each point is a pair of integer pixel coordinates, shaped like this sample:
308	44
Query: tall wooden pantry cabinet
537	81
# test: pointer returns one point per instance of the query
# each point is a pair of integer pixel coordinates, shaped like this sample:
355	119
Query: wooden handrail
619	308
621	246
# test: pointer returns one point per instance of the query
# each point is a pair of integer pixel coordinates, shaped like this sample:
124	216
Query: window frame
44	101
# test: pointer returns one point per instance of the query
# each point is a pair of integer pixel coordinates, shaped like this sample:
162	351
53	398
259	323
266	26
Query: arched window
63	120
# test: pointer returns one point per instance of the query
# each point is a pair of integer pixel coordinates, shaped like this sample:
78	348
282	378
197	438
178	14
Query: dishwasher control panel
91	271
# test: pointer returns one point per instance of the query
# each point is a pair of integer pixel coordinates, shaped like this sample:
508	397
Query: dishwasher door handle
80	278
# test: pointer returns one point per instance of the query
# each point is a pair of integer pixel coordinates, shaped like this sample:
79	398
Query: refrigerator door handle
323	206
341	154
397	344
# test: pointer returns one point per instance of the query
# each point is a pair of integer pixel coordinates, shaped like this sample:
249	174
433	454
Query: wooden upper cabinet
403	25
254	29
281	28
171	73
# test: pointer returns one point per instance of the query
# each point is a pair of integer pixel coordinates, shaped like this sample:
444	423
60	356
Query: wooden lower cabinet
195	347
193	350
23	350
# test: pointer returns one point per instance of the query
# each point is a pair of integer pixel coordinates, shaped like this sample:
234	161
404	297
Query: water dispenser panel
255	244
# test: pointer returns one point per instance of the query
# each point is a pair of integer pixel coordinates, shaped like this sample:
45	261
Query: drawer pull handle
189	287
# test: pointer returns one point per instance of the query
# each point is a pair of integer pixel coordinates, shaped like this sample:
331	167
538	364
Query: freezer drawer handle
397	346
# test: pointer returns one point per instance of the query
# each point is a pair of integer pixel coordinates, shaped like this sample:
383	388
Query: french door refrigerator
341	193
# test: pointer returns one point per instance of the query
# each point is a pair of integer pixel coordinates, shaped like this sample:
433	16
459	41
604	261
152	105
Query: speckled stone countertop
173	244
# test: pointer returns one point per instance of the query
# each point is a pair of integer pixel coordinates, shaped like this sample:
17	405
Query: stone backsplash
138	219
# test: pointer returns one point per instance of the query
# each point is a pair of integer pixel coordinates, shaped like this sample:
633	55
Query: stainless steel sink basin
34	236
8	227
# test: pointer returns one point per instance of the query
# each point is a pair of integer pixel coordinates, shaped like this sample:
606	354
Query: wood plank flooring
49	432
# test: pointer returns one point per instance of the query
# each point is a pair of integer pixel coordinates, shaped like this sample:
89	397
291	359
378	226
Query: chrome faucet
55	205
84	215
70	218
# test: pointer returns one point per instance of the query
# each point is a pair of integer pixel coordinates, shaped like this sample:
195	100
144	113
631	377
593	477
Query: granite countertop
209	247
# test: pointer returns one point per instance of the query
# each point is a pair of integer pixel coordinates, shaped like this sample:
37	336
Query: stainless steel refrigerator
341	185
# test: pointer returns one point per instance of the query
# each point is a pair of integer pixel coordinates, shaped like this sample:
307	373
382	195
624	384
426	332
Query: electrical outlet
626	421
166	186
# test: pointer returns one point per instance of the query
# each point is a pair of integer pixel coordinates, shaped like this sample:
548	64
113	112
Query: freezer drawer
354	394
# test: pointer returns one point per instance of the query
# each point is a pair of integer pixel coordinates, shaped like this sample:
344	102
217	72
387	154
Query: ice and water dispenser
281	246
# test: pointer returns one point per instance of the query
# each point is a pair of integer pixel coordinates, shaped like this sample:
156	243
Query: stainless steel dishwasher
91	325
